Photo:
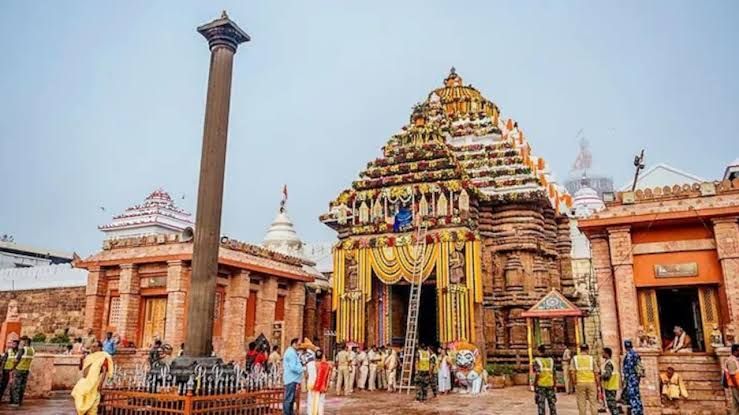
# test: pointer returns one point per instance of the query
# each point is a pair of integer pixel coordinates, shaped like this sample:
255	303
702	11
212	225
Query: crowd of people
594	384
379	368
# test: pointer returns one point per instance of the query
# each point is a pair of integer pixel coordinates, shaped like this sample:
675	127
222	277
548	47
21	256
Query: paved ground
509	401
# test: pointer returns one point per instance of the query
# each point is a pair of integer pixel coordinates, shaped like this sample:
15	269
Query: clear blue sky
102	102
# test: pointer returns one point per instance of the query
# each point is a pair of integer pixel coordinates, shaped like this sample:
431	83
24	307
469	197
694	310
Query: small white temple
158	215
283	238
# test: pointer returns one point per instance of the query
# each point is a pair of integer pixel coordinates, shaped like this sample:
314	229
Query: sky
102	102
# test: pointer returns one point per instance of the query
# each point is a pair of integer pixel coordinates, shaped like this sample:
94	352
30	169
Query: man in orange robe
319	375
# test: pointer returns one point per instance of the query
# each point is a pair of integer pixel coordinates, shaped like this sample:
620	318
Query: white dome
585	202
281	235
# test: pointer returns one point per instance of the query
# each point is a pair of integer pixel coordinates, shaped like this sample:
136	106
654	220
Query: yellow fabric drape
455	305
390	264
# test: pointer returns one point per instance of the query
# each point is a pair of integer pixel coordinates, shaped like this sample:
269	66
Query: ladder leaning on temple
414	299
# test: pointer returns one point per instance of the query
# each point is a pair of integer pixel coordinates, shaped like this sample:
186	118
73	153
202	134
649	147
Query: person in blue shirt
109	344
292	373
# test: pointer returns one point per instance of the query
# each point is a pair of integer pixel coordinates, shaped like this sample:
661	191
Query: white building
13	255
661	175
158	215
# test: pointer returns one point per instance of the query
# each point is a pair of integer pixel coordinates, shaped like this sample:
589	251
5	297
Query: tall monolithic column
622	261
223	37
177	286
97	285
601	257
129	286
726	232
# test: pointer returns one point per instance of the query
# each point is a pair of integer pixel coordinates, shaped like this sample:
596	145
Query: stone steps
702	377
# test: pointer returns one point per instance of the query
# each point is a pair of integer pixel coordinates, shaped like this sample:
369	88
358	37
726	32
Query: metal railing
223	390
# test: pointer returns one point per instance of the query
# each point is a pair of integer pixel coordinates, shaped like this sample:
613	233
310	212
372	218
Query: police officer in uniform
610	379
545	383
584	370
423	376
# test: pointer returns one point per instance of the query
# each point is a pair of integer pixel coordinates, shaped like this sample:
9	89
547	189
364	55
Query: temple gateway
497	240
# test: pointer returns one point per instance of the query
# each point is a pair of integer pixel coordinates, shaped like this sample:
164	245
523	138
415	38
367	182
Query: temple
158	215
139	284
667	257
498	235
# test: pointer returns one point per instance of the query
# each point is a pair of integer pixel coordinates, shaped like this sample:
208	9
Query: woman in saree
96	367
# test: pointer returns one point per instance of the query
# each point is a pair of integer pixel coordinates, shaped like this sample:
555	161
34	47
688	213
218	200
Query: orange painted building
666	257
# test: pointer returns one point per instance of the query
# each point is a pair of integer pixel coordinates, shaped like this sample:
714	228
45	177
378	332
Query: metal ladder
414	299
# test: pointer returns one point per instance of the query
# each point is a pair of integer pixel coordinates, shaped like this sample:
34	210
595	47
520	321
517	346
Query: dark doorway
427	318
680	307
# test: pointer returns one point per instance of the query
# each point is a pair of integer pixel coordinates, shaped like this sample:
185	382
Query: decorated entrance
155	315
451	278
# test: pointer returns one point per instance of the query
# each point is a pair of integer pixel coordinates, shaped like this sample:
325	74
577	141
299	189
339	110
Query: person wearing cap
632	371
583	370
343	378
610	379
545	383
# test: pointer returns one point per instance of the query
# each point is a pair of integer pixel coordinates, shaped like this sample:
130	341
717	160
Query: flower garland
416	166
381	226
445	235
425	176
348	196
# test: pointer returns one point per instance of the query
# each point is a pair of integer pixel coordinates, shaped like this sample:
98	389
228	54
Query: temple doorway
427	316
680	307
155	316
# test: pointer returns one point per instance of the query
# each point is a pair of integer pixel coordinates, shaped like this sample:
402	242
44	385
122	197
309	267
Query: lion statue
470	371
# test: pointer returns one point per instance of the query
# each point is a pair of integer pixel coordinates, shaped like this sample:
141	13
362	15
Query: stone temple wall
47	310
525	254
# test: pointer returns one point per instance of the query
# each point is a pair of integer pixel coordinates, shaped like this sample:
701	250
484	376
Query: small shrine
498	234
158	215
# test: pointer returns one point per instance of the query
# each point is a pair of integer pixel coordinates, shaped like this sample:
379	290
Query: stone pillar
177	286
223	37
601	257
295	304
622	261
234	316
129	286
266	300
726	233
310	315
650	384
97	286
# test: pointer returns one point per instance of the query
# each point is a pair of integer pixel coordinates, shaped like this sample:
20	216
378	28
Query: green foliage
60	339
38	338
499	370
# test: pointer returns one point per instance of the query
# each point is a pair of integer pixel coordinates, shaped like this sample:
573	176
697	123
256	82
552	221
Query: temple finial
224	15
453	71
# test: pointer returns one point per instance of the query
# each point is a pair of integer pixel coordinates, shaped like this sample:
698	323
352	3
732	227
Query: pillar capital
175	263
619	229
126	266
729	220
223	32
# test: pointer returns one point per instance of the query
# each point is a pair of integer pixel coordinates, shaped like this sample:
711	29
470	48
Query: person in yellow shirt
545	383
610	381
673	386
583	371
